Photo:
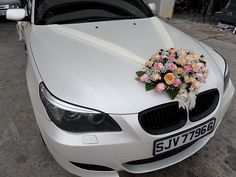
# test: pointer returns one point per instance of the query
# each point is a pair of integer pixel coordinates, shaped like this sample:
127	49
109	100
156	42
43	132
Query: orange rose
179	71
182	61
189	79
169	78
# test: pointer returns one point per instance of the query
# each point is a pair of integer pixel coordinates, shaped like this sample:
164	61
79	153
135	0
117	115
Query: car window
80	11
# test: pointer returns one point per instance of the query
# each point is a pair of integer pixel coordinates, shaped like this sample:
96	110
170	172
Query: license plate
175	141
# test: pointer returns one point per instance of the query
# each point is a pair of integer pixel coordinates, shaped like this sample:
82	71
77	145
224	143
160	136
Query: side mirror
153	7
15	14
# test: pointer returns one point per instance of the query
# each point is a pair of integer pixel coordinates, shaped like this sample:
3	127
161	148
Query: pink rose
172	67
188	68
158	66
162	57
160	87
200	76
191	88
172	58
177	83
144	77
200	65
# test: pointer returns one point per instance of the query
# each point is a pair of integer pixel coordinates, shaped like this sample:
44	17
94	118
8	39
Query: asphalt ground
23	154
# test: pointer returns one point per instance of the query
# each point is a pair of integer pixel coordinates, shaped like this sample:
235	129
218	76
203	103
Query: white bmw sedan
94	117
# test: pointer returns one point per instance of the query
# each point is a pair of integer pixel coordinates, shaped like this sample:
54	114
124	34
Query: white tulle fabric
187	100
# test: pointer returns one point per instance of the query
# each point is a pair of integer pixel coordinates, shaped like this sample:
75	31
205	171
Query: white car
94	117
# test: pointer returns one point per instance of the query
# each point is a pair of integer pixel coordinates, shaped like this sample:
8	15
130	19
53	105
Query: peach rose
197	85
179	70
205	70
155	77
149	63
155	57
169	78
189	79
205	75
182	61
196	56
190	57
172	51
195	68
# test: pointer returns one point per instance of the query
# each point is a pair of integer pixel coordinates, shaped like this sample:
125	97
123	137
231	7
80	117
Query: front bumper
114	150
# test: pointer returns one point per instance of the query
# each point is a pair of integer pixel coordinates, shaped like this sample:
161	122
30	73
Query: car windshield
79	11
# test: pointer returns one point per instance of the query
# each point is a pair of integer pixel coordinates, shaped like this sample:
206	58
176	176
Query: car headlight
226	75
73	118
226	72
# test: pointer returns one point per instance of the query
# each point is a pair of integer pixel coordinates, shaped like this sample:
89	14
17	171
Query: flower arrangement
179	72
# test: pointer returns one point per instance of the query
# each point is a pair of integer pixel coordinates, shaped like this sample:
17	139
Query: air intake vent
92	167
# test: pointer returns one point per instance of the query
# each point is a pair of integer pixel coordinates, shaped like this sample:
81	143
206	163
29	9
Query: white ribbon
109	46
97	42
187	101
163	33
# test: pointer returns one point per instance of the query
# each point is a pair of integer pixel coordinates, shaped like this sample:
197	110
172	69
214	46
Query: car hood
94	64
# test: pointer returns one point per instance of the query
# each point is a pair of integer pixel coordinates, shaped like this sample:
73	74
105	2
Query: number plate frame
182	133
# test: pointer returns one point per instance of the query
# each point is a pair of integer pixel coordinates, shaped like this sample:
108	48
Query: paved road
22	153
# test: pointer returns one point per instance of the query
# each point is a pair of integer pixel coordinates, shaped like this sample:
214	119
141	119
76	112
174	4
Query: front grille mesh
168	117
206	103
163	119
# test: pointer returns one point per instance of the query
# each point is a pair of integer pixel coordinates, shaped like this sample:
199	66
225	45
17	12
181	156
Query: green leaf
150	86
140	73
172	93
